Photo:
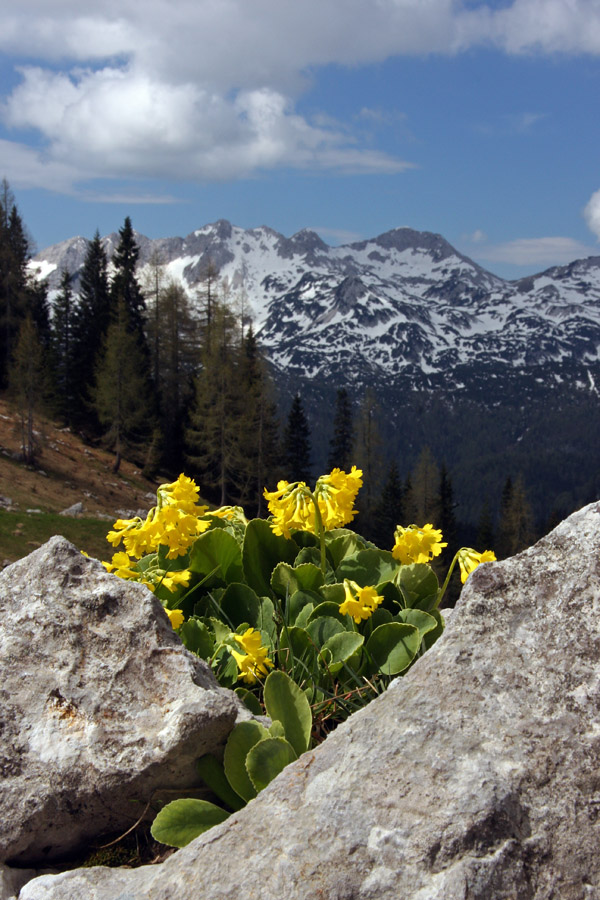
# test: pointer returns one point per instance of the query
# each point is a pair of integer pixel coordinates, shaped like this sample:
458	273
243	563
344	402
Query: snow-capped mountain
401	306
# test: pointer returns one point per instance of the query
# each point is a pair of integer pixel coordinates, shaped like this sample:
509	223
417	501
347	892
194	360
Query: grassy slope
67	472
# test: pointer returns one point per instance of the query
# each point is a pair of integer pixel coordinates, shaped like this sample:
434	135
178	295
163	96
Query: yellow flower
292	507
336	494
360	603
172	580
469	559
417	545
254	661
176	617
122	566
183	493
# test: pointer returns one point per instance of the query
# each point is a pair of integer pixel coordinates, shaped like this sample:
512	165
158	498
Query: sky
475	120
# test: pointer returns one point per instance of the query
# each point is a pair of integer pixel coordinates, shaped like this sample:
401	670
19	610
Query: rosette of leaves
277	586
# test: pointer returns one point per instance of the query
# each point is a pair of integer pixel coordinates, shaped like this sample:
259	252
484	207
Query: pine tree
342	441
63	350
296	444
120	394
26	383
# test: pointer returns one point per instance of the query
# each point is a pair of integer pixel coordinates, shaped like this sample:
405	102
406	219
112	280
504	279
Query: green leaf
262	550
298	653
240	604
197	638
333	593
220	628
432	636
393	646
346	545
368	567
323	628
276	729
419	586
217	553
212	773
310	555
249	700
285	702
244	736
342	646
180	821
286	580
425	622
330	608
267	759
298	600
304	615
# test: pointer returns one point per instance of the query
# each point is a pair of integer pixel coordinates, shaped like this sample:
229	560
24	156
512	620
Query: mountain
496	376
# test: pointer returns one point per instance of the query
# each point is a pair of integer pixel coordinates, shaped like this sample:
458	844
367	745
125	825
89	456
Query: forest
131	364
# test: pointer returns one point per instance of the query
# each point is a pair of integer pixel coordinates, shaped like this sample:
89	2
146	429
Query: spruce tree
90	328
368	456
296	444
389	511
63	350
342	441
515	530
446	517
425	488
125	287
485	538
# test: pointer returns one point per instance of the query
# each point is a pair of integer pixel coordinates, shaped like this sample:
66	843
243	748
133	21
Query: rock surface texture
100	705
476	777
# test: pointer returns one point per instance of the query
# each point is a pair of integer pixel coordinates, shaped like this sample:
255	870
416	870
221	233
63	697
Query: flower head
122	566
254	661
183	493
417	545
336	494
292	507
360	603
469	559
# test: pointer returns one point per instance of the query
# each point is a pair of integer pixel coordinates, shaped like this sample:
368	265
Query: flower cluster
417	545
174	522
336	494
360	603
469	559
294	506
254	662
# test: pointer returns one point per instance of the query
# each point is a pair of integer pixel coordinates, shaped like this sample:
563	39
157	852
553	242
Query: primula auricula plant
296	606
298	592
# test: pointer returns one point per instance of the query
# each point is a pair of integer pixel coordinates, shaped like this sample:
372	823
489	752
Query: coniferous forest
129	364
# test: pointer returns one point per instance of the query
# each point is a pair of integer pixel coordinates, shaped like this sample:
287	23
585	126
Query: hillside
68	472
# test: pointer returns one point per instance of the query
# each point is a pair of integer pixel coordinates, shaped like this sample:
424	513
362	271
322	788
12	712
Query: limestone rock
476	778
100	704
75	511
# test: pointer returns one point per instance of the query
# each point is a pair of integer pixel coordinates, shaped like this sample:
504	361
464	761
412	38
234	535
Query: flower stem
320	532
442	590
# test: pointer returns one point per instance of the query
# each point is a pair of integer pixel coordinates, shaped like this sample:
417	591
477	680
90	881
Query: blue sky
477	120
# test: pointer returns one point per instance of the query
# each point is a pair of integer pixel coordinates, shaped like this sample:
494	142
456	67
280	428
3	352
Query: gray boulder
100	704
477	777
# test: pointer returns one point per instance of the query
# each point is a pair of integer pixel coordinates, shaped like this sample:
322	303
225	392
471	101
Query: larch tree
26	385
63	350
121	395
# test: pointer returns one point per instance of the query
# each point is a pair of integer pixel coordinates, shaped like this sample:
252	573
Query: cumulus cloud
543	251
199	89
592	213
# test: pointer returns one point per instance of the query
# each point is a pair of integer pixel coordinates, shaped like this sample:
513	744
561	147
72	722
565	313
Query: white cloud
477	236
543	251
338	235
592	213
207	89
